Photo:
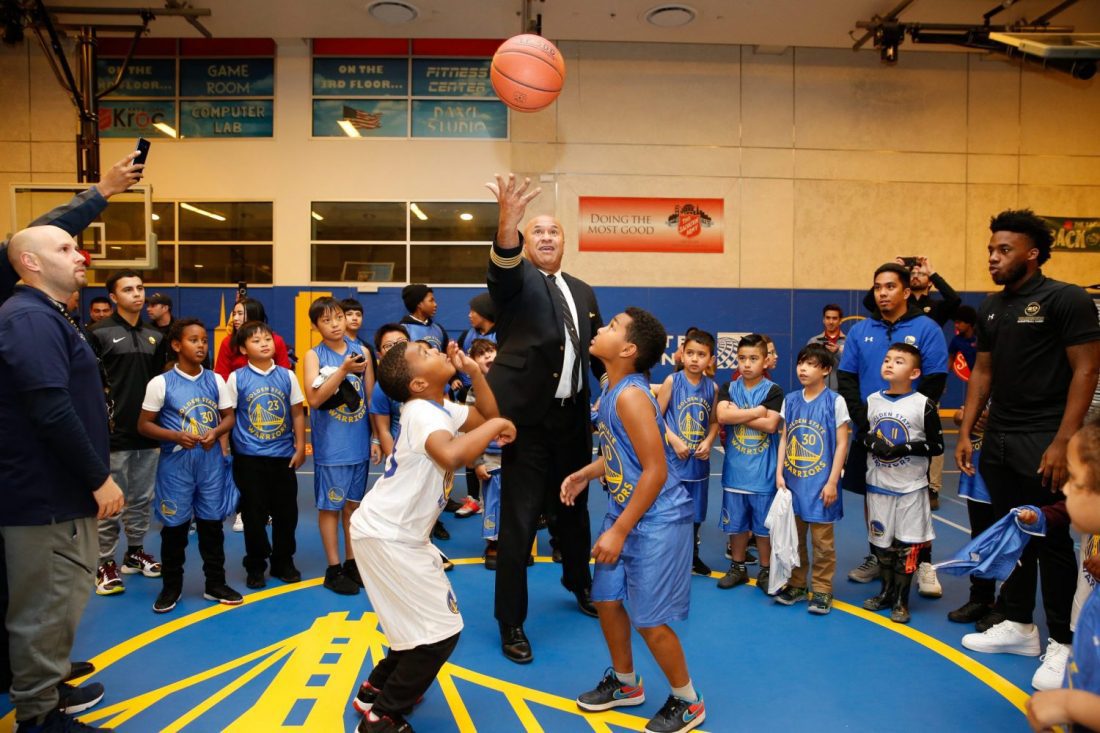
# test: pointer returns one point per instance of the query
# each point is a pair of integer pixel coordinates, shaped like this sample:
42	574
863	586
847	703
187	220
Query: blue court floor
292	656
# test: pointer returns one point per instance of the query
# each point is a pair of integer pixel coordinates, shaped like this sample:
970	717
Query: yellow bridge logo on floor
316	673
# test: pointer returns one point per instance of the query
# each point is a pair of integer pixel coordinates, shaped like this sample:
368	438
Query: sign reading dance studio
617	224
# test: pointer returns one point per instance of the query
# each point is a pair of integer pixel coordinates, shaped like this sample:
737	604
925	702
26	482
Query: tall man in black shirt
1038	360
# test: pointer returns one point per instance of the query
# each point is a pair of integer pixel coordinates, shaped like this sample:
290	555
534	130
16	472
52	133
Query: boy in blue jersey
1077	705
644	548
353	321
338	378
687	399
904	434
483	318
486	467
419	301
269	443
813	444
188	409
750	407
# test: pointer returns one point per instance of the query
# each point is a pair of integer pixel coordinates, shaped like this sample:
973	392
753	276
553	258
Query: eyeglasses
387	345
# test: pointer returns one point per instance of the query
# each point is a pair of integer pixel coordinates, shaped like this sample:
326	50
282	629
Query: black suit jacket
531	337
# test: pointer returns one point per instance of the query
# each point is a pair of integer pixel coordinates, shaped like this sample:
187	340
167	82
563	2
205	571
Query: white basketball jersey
897	419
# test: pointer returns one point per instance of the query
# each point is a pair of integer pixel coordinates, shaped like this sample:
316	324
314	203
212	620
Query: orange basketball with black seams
528	72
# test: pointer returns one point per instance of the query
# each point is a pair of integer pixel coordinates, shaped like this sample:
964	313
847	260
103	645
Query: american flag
361	120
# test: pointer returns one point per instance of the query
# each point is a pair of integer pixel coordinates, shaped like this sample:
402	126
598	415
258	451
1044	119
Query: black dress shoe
79	669
584	602
555	555
989	620
514	644
440	532
969	612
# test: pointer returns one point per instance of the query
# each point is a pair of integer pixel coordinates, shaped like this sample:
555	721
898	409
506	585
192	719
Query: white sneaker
238	524
1053	668
928	585
1005	638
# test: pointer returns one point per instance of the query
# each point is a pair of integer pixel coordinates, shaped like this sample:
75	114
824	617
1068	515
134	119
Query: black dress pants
268	488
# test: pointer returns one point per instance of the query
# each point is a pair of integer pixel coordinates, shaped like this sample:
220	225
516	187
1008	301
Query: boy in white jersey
643	553
905	433
338	381
402	571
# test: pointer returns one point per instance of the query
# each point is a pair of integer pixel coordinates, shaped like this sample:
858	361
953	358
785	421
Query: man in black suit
545	322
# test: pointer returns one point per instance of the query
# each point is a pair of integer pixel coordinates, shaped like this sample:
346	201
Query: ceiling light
316	216
156	217
466	216
670	16
348	128
198	266
392	12
202	212
165	128
419	214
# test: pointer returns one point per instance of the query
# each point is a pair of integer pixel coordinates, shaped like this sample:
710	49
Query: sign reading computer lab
618	224
1074	233
402	88
225	88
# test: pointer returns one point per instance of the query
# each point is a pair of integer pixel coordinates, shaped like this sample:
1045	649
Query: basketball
527	72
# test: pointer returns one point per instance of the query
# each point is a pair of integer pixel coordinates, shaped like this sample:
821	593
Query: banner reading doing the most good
618	224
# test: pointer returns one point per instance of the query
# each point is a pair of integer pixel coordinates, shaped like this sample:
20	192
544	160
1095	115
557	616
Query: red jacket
231	359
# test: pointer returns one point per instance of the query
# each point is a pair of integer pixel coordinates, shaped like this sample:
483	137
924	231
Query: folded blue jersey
995	552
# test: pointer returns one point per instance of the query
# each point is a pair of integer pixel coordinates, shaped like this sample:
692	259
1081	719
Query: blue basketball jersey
468	339
973	487
263	426
623	469
1083	666
381	404
430	332
189	405
750	454
809	454
341	437
688	416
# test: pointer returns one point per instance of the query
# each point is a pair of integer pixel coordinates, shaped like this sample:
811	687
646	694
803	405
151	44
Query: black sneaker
677	715
452	506
610	693
821	603
791	595
166	599
352	571
698	567
736	575
969	612
337	582
762	579
223	594
255	580
385	724
364	699
989	620
289	574
79	669
440	532
72	700
57	722
750	557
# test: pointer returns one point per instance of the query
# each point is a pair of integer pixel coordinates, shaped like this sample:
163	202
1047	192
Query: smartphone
911	262
359	359
143	151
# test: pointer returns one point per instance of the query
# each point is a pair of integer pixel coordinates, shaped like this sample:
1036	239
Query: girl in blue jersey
1078	703
686	400
188	409
643	553
813	446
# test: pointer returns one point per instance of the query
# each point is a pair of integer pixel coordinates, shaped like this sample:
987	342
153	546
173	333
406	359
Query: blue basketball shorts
190	483
698	491
334	485
744	512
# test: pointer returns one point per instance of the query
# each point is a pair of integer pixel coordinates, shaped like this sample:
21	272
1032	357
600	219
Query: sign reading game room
619	224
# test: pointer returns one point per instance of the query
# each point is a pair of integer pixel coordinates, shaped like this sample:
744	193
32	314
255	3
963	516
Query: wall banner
1074	233
617	224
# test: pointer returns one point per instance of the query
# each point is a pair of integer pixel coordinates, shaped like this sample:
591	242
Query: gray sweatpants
135	472
51	571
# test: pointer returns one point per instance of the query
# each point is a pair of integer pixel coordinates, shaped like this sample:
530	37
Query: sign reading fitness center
619	224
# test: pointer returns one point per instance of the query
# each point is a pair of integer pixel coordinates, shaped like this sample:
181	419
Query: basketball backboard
123	234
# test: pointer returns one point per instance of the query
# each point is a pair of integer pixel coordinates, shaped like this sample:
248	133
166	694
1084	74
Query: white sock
687	692
627	678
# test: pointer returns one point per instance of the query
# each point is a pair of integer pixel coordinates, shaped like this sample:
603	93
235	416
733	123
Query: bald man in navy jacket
545	322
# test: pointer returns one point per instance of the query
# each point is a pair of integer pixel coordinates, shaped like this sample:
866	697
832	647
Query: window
398	242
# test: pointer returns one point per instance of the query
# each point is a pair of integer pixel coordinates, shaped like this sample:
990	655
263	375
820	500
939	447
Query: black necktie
570	330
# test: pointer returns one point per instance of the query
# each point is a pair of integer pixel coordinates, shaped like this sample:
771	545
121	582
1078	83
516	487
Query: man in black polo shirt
54	473
1037	363
132	354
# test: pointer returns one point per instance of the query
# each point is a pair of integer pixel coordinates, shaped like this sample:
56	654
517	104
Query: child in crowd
687	399
338	378
643	550
269	443
483	318
487	465
750	407
401	570
419	301
904	434
1078	703
813	445
188	409
353	321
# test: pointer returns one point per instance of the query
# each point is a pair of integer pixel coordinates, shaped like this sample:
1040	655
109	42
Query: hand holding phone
910	262
143	151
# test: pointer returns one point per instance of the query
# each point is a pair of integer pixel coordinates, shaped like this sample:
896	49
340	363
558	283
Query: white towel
784	540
